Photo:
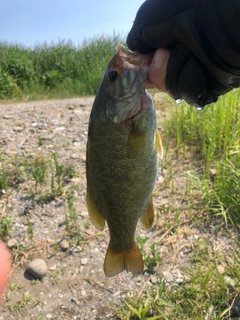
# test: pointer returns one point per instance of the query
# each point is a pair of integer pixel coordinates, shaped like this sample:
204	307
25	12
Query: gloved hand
196	70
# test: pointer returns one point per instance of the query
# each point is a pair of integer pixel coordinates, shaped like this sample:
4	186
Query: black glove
204	43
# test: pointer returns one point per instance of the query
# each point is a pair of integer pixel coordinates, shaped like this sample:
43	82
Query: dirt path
75	286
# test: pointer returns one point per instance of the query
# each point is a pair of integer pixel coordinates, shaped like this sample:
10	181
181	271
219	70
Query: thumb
158	69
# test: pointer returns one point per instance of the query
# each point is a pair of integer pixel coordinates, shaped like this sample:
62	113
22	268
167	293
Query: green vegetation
206	145
203	145
54	70
213	138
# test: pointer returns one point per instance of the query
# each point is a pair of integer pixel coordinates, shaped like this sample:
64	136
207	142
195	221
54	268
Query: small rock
8	116
11	243
38	268
46	137
49	316
53	268
153	279
74	300
74	156
18	128
64	245
230	282
83	293
168	276
77	144
84	261
220	269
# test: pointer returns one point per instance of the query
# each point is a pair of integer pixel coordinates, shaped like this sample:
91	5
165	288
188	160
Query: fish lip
134	57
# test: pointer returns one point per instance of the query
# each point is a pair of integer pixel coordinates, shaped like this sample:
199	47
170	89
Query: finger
158	69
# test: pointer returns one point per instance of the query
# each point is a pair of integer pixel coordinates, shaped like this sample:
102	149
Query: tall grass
56	69
214	134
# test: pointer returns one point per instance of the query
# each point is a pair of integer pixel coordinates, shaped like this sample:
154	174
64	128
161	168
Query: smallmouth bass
121	161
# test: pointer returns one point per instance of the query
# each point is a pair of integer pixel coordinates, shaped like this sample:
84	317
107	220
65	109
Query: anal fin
118	261
147	217
94	215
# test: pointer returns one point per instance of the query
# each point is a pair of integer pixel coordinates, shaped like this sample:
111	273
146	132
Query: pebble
49	316
168	276
64	245
12	243
153	279
38	268
84	261
83	293
220	269
18	128
74	156
230	282
8	116
53	268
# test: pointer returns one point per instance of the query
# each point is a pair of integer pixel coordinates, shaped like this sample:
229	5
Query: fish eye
112	75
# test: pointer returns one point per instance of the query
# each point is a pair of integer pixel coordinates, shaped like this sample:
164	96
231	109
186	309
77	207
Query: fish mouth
134	58
132	68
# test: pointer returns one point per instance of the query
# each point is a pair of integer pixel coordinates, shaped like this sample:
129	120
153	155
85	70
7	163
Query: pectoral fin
117	261
159	145
148	215
94	215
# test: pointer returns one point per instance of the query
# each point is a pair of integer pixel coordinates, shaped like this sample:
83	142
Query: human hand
5	268
192	73
158	69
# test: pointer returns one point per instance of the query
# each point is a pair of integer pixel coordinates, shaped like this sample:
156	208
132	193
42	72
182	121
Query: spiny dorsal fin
94	215
147	217
118	261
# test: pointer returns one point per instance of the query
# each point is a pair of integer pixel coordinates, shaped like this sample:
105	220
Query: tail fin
118	261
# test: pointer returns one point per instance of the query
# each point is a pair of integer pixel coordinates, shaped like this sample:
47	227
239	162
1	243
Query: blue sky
31	22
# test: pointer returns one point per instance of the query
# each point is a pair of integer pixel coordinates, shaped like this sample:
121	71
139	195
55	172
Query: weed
22	302
38	170
5	225
3	180
59	172
142	311
151	259
13	286
29	228
69	171
32	195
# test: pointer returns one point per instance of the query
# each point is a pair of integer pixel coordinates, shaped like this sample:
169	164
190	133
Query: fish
122	159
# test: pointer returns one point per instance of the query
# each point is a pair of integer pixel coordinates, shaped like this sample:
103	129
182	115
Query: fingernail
159	59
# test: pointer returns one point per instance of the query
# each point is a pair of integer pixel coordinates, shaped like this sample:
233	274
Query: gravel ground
75	286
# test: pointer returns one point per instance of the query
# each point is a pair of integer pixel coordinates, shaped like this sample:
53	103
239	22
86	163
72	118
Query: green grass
205	293
212	136
54	70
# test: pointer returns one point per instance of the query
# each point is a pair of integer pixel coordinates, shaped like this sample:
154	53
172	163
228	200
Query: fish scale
121	162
